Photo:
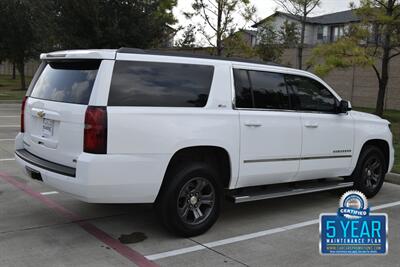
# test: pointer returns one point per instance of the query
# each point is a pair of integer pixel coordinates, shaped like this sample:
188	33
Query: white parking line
248	236
10	159
384	206
49	193
9	126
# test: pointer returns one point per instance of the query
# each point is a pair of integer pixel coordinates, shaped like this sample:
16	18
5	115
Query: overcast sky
265	8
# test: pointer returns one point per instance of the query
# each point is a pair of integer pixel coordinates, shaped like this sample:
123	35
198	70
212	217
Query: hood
367	116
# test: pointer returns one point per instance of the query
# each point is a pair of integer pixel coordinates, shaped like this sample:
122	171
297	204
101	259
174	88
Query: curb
11	101
393	178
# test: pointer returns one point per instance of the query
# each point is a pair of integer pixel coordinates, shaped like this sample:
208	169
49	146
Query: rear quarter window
66	81
136	83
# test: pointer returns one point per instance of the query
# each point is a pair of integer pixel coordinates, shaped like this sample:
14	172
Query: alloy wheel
196	201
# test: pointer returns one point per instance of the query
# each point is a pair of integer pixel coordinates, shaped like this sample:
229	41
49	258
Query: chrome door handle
253	124
311	125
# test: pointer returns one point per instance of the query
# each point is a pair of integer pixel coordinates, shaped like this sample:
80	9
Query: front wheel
189	203
370	171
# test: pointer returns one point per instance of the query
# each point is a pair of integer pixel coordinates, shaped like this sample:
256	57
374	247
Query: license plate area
48	128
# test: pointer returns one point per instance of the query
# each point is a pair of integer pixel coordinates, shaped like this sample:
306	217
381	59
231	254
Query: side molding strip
292	159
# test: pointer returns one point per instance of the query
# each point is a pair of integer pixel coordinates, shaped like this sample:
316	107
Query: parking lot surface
42	227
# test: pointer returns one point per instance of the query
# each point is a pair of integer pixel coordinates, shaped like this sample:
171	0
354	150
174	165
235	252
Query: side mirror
344	106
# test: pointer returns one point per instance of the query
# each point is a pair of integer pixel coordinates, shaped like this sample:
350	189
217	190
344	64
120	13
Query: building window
322	34
253	40
337	32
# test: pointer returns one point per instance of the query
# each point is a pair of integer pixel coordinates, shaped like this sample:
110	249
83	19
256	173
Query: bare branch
208	38
211	11
205	16
382	3
212	3
288	6
315	4
376	72
394	55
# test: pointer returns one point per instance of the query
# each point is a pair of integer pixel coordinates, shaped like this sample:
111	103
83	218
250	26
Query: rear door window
260	90
67	81
269	90
136	83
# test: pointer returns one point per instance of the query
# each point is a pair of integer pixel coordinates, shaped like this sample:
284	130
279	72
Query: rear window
157	84
67	81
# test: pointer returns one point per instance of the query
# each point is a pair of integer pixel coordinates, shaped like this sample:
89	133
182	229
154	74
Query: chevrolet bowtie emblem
41	114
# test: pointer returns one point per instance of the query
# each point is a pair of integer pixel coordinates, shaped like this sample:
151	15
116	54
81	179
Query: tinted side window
310	95
242	89
269	90
160	84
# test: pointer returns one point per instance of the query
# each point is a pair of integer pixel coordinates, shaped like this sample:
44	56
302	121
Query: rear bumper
103	178
45	164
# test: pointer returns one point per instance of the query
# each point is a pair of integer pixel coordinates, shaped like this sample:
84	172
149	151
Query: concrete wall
359	85
6	68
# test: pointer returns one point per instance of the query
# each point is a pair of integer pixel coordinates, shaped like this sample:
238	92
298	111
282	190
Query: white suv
135	126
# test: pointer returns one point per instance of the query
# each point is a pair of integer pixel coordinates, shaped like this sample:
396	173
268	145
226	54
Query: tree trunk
13	71
380	103
219	33
386	47
301	44
21	70
383	82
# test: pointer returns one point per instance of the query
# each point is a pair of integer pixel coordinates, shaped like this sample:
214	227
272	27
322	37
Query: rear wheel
370	171
189	203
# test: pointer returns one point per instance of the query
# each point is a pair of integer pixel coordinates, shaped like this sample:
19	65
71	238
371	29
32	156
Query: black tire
180	199
370	171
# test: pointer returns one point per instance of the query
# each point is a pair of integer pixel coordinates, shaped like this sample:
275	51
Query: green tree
289	34
236	45
24	32
374	42
273	42
112	24
218	18
269	47
302	9
188	39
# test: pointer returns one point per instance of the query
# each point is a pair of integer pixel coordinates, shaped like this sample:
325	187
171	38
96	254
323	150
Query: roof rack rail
127	50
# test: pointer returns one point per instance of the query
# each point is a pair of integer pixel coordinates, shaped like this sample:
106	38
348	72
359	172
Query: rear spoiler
80	54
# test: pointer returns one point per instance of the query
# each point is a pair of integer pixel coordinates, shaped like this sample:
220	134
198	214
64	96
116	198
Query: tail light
95	133
23	114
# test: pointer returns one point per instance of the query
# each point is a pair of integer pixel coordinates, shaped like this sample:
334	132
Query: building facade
321	29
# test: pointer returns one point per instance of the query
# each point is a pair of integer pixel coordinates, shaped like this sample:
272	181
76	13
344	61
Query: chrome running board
284	190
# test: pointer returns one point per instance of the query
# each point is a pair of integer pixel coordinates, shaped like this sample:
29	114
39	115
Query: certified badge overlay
353	230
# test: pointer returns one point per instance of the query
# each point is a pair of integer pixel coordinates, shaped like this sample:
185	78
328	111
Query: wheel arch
215	155
383	145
